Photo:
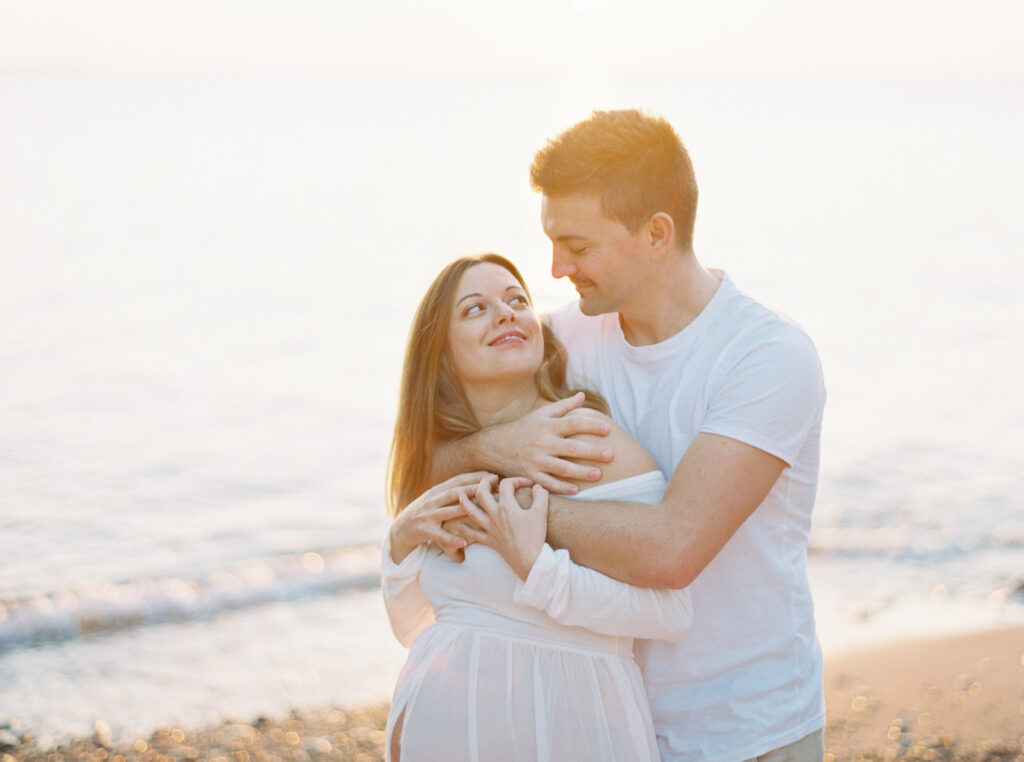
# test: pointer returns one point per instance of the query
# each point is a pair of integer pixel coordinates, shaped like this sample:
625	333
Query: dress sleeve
408	609
578	596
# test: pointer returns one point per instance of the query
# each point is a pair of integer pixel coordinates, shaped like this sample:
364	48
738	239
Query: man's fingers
557	486
563	470
561	407
573	425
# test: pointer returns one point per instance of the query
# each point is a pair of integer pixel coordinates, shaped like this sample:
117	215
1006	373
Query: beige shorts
810	748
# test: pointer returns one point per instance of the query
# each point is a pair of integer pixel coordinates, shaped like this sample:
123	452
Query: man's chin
591	308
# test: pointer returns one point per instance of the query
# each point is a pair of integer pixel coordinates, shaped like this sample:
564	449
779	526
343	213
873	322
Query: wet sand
958	697
948	698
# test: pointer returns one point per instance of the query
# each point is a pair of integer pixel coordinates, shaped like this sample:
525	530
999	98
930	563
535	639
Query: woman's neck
493	405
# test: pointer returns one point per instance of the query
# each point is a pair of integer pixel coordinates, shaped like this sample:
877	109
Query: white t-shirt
747	677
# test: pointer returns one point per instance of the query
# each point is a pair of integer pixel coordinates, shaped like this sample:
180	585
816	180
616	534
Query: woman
518	655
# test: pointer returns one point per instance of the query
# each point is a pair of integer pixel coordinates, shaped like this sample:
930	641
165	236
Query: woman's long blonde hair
432	407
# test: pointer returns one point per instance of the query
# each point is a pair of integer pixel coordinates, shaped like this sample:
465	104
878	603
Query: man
728	398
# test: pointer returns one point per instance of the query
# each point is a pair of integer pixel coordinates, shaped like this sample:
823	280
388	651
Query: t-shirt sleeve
767	391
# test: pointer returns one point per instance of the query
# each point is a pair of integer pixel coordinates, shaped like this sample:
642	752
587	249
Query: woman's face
494	334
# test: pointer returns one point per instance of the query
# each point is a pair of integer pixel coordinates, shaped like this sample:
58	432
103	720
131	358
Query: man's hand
540	446
421	522
517	534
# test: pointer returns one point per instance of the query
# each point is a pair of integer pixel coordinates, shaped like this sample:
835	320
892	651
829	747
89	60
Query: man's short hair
633	162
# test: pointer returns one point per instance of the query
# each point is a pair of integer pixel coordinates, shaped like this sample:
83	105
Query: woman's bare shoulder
631	458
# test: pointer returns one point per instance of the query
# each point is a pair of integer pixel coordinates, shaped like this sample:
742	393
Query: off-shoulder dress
501	669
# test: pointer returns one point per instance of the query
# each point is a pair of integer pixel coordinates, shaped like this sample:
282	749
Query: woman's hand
517	534
421	521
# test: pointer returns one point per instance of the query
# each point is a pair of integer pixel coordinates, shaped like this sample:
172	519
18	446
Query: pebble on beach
318	735
945	699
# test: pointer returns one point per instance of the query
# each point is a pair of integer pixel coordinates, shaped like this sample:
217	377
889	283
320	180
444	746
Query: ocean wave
911	542
68	614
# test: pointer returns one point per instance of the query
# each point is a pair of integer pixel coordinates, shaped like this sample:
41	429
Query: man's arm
718	483
763	402
539	446
570	594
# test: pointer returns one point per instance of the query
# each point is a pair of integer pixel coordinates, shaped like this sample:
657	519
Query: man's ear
661	230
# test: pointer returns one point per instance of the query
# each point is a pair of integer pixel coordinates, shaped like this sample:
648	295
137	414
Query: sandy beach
946	698
959	697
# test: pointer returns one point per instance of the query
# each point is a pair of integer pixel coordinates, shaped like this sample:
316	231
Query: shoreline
946	697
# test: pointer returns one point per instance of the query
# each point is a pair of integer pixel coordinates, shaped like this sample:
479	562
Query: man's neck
674	299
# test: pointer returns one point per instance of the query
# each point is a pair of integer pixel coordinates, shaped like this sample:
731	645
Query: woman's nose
505	312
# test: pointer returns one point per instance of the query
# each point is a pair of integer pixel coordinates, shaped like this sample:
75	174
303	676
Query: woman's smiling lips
508	337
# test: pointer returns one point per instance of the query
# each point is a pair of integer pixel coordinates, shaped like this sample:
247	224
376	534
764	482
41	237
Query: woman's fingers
477	529
463	480
507	492
472	534
479	516
451	544
444	492
438	498
518	481
485	500
447	512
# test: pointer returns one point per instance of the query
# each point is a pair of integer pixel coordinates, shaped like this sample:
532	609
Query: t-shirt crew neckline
692	333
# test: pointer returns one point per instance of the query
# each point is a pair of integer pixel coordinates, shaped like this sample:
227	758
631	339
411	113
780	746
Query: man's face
599	255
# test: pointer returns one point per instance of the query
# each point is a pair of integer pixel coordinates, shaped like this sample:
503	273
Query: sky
925	38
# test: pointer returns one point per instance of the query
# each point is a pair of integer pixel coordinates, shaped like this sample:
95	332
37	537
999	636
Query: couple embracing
601	518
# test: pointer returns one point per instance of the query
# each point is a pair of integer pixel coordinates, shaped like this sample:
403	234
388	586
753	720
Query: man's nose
561	264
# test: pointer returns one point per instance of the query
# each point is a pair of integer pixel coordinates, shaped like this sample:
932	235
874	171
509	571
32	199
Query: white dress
543	670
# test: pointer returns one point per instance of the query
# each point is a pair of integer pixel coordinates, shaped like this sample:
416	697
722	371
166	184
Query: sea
206	280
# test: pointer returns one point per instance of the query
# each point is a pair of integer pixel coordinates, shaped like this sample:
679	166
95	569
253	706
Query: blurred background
216	220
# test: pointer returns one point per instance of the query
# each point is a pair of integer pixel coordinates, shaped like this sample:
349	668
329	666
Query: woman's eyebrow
467	296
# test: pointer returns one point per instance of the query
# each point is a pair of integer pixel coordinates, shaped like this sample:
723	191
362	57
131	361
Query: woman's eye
473	309
518	300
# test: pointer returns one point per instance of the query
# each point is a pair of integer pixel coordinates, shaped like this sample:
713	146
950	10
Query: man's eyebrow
570	237
467	296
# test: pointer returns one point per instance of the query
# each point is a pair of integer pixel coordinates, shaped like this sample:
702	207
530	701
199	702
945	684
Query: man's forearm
668	545
628	541
462	455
